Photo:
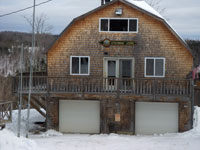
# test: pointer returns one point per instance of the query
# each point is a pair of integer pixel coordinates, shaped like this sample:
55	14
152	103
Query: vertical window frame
79	65
128	31
154	71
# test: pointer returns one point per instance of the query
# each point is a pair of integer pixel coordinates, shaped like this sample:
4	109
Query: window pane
133	25
111	68
150	67
84	65
125	68
118	25
104	24
159	67
75	65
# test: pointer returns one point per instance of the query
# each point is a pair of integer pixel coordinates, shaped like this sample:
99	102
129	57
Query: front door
118	71
111	74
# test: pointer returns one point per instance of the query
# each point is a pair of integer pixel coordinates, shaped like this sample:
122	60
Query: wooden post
118	87
132	125
154	89
192	100
82	88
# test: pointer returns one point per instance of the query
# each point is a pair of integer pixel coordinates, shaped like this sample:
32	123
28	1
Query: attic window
119	25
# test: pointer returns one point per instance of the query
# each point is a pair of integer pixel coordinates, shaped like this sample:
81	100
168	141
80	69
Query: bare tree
42	28
41	25
156	4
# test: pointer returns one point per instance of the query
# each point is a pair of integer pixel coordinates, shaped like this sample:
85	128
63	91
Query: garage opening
156	118
79	116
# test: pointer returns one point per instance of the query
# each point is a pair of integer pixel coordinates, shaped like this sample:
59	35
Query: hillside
195	47
10	47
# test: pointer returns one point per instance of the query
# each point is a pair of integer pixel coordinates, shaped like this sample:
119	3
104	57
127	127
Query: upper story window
79	65
118	25
154	67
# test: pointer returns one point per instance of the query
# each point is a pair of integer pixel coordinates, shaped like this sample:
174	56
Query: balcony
92	85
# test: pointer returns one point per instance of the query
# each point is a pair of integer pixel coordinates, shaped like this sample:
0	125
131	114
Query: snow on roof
143	5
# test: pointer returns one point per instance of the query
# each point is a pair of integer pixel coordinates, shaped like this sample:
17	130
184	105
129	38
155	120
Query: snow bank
196	123
8	141
51	133
34	117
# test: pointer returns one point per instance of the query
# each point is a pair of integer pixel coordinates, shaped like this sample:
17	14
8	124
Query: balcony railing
44	84
5	112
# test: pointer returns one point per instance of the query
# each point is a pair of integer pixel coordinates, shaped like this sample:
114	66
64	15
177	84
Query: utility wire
24	9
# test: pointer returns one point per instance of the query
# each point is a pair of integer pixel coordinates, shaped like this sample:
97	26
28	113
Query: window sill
80	74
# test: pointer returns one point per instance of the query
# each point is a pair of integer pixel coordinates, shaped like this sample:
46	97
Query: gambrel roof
141	6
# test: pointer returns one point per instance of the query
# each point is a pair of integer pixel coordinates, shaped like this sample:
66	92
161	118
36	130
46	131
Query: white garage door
79	116
154	117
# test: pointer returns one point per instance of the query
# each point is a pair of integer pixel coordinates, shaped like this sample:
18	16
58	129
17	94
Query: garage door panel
79	116
154	117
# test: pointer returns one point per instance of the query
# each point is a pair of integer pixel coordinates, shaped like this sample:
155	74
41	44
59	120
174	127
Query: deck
105	86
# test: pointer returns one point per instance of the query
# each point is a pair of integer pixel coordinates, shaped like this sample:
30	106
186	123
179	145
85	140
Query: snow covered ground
52	140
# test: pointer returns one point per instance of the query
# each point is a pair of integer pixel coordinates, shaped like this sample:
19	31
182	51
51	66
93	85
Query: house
118	68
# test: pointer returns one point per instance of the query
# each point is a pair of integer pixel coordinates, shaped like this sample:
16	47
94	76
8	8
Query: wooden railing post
118	87
154	89
82	87
11	108
47	84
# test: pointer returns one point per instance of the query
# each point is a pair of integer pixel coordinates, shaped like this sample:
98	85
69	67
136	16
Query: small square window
154	67
79	65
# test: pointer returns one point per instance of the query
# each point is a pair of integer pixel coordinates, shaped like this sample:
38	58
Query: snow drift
196	123
34	117
9	141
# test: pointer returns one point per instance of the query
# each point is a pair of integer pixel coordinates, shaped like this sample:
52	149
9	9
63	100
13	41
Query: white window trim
118	31
79	65
106	59
154	67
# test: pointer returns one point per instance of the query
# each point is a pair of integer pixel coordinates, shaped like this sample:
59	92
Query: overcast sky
183	15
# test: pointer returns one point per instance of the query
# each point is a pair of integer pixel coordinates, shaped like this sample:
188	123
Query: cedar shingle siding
153	40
